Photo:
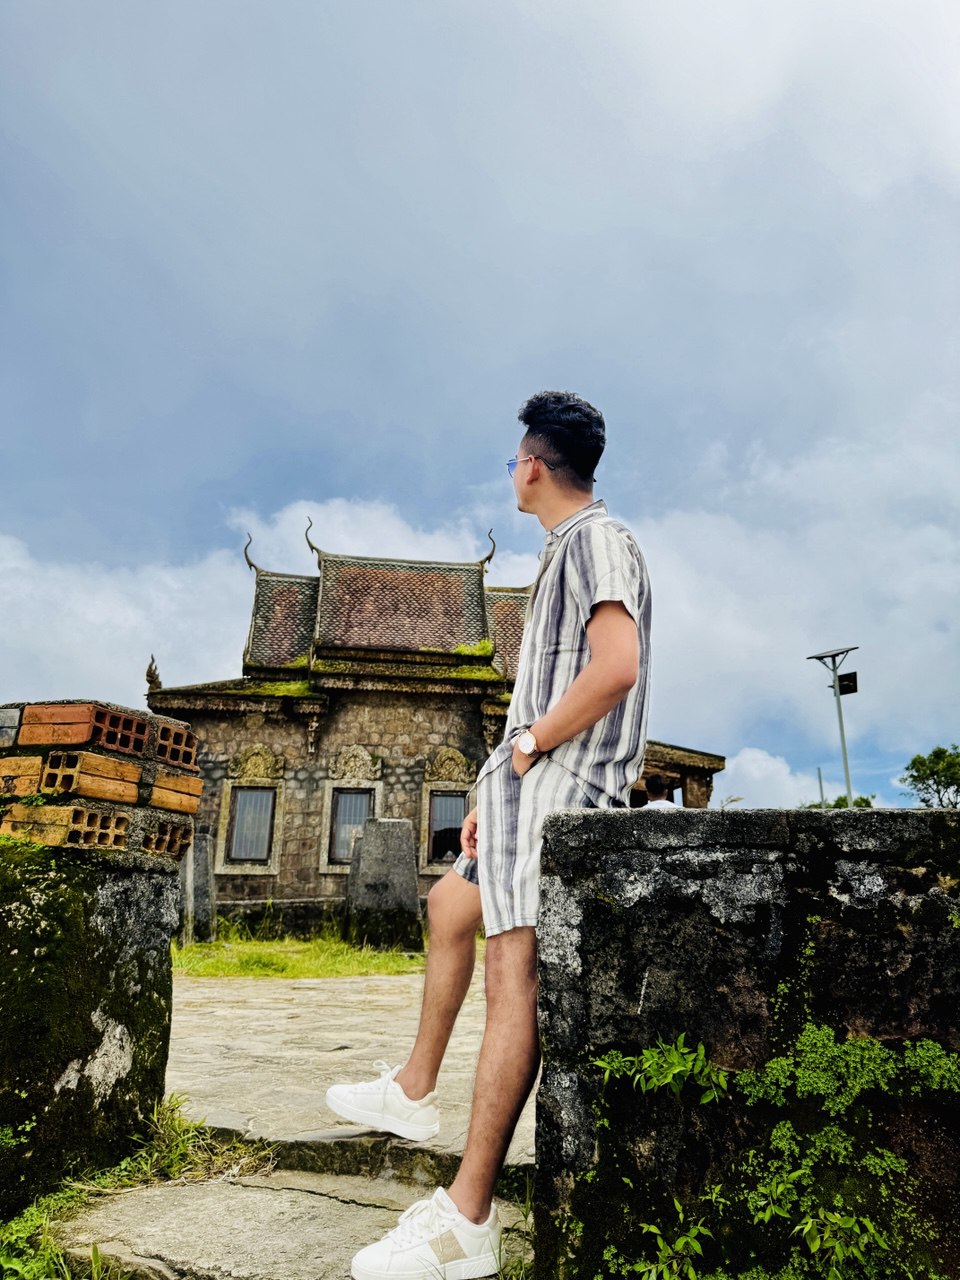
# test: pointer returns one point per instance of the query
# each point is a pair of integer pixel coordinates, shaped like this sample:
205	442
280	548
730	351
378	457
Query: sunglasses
515	462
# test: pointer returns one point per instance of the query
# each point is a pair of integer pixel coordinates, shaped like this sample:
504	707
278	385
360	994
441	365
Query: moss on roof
482	649
275	688
404	671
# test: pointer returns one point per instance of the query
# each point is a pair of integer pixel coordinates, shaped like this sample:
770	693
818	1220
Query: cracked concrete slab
277	1226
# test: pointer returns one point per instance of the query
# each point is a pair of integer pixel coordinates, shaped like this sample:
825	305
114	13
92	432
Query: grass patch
324	957
172	1149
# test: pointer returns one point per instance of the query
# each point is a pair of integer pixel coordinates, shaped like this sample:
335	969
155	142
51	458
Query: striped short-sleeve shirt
587	559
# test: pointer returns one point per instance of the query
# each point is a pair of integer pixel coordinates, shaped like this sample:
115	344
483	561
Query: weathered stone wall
754	933
85	995
95	811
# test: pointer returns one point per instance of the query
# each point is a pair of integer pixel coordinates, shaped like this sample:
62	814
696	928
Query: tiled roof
399	605
388	606
507	607
284	616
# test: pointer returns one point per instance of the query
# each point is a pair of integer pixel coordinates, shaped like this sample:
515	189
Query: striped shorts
510	817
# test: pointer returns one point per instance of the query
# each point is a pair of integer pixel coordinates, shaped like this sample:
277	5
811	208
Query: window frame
223	864
437	793
236	792
335	793
326	807
429	790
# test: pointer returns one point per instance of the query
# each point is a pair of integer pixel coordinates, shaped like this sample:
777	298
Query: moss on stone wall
403	676
861	1130
85	990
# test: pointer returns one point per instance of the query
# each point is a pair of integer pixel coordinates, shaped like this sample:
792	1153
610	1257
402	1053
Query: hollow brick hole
176	745
61	774
125	733
168	838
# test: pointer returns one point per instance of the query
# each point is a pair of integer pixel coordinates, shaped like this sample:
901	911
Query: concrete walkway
254	1057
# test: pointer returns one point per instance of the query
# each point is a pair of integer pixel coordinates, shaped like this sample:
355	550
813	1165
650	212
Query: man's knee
510	968
453	908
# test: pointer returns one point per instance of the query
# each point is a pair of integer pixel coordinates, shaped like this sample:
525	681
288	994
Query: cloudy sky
265	261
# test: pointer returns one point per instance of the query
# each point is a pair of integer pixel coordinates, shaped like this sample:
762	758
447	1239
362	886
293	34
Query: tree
935	779
859	802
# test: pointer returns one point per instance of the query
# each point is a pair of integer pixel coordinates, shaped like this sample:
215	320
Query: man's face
521	478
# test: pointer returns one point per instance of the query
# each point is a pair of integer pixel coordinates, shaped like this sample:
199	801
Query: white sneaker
433	1241
382	1104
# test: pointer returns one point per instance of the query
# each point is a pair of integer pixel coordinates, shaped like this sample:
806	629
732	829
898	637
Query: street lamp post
833	660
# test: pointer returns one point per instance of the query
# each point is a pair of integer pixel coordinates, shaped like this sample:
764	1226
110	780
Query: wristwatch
527	743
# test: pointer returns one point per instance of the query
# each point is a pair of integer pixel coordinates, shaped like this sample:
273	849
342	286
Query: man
657	790
574	738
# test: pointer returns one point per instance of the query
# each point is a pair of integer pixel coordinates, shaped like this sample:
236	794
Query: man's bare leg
506	1069
453	910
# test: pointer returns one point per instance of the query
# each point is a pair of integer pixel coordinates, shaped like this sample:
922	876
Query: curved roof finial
153	676
313	547
246	554
490	554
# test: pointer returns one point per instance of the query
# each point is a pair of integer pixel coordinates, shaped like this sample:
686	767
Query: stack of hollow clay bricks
110	778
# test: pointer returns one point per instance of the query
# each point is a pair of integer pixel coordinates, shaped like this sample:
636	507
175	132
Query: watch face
527	743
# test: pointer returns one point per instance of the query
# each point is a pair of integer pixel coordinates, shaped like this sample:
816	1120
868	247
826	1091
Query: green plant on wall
774	1196
841	1237
820	1067
666	1066
676	1258
17	1135
816	1194
12	845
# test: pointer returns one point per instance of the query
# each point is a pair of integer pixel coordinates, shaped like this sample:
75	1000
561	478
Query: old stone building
374	688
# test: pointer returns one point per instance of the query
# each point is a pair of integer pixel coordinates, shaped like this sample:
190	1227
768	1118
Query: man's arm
606	680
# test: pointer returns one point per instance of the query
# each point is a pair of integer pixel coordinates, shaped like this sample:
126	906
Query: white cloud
765	781
854	543
868	88
348	526
84	630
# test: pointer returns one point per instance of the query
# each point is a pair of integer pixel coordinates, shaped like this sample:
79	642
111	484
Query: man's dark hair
656	786
567	432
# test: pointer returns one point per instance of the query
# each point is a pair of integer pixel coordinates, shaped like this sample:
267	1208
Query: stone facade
396	727
401	748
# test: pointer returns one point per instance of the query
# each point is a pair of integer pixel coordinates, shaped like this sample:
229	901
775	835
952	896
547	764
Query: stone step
364	1154
284	1225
